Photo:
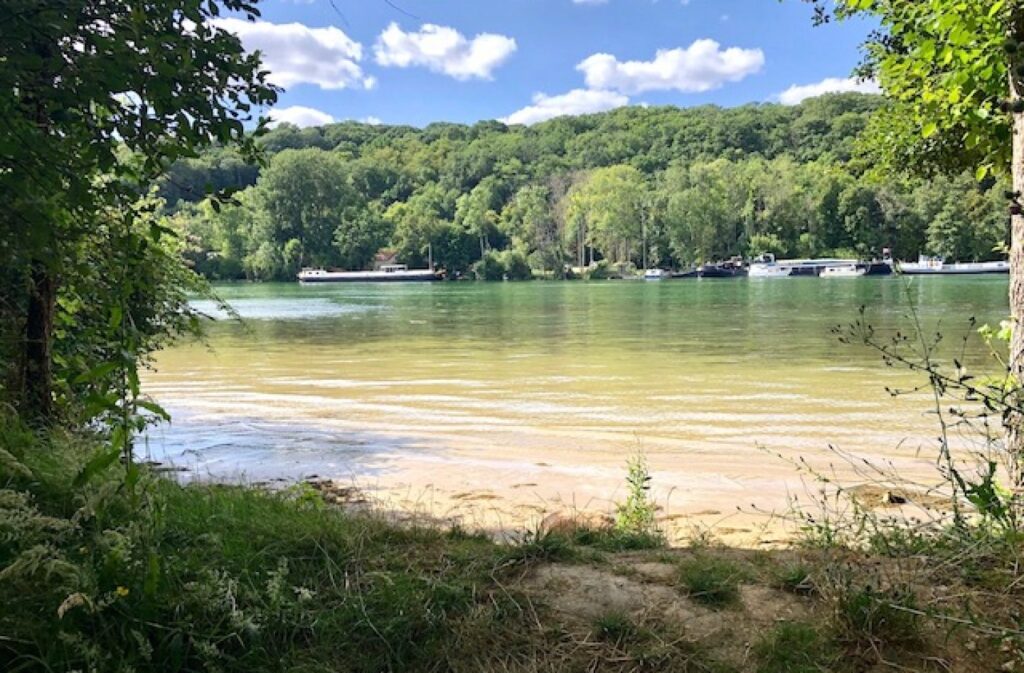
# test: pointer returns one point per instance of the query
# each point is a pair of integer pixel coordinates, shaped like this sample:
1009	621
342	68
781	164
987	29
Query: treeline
670	186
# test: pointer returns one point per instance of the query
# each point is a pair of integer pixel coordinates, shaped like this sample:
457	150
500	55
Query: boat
656	274
845	271
733	268
767	266
937	266
390	273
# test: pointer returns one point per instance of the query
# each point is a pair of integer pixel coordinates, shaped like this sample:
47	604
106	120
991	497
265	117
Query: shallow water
486	387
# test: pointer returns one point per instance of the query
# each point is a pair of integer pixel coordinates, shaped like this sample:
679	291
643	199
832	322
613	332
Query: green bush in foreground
159	576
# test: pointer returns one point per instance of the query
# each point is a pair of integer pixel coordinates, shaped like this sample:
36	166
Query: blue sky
419	61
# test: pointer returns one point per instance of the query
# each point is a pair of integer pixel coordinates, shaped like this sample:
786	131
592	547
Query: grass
187	578
794	578
873	616
711	580
155	576
794	647
613	539
617	628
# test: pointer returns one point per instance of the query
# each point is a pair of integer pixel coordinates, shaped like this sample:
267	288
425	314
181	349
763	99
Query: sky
524	61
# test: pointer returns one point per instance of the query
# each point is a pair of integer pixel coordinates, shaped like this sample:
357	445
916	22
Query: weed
710	580
616	539
793	647
538	546
794	578
877	617
636	516
617	628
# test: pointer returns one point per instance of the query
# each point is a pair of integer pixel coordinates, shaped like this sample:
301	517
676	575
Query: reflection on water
370	379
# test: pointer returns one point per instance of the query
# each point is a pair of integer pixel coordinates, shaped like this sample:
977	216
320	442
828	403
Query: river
502	402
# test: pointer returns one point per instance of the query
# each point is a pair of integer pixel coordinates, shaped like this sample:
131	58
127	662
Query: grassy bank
145	574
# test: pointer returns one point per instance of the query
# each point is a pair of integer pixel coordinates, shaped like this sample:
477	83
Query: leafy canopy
944	65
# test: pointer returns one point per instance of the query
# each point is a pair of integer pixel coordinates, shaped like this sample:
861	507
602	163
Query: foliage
98	98
692	184
637	514
967	405
215	578
945	65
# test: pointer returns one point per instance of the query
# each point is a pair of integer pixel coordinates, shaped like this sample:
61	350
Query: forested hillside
703	184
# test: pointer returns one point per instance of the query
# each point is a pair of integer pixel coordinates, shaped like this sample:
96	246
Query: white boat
391	273
769	270
766	266
936	266
655	274
844	271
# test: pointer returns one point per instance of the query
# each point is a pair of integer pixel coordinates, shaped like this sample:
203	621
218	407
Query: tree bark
1015	421
37	372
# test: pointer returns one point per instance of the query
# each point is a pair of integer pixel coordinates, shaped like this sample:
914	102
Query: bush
600	271
154	576
490	267
516	265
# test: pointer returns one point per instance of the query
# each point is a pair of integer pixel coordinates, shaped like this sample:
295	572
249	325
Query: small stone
891	498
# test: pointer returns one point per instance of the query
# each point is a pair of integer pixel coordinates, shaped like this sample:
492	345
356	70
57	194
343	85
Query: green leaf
100	462
149	585
96	373
154	408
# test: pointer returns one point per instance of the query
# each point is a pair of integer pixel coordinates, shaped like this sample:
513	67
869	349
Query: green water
363	379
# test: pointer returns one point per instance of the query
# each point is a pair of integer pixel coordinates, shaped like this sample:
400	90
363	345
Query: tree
305	194
612	201
97	98
704	210
529	221
362	232
954	73
477	211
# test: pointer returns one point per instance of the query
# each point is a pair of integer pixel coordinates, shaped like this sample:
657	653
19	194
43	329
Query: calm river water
523	398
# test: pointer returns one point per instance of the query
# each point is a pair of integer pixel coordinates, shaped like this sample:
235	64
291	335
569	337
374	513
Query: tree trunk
37	375
1015	421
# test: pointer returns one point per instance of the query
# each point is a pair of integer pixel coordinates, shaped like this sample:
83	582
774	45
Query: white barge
767	266
391	273
936	266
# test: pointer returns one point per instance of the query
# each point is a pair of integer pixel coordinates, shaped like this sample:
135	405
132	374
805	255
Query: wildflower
121	591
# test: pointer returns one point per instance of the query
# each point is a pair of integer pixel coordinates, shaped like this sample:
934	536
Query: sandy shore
742	497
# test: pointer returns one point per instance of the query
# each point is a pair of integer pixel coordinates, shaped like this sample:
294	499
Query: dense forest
697	184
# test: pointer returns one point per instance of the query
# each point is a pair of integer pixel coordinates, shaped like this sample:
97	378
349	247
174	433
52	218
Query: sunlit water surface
528	397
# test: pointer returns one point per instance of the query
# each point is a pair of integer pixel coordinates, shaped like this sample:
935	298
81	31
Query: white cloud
590	2
372	121
799	93
702	66
297	54
443	50
300	115
576	102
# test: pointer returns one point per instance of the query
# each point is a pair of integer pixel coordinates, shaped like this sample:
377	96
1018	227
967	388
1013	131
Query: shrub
516	265
490	267
636	515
